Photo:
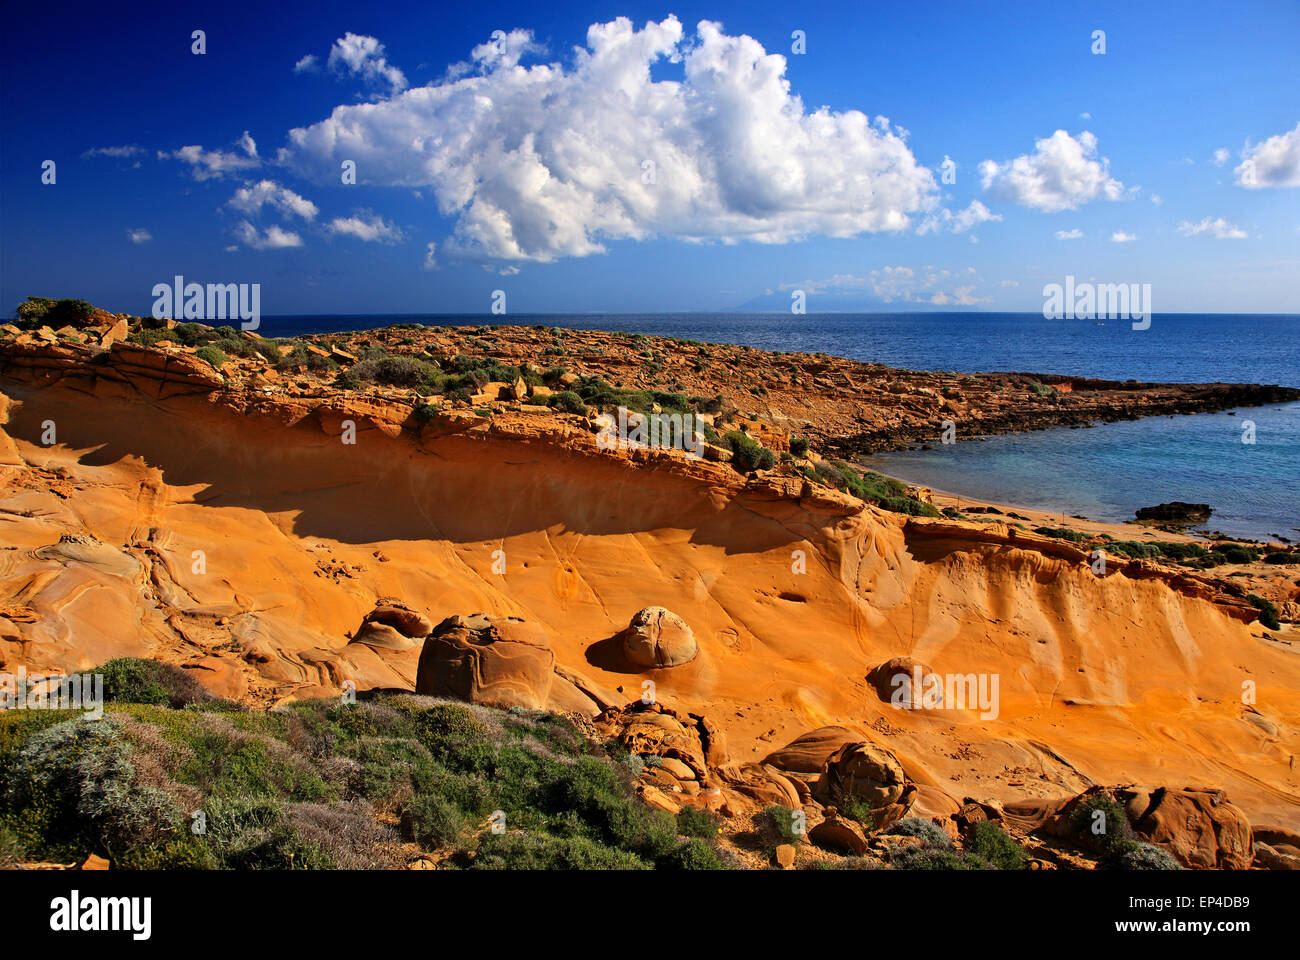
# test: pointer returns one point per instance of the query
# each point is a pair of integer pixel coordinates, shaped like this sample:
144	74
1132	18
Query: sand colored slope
794	596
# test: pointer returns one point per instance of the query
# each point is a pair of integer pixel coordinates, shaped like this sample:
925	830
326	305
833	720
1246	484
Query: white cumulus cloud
120	153
961	221
307	64
252	198
215	164
1062	173
1119	236
139	236
1273	163
364	57
1219	228
1074	234
549	161
368	228
273	238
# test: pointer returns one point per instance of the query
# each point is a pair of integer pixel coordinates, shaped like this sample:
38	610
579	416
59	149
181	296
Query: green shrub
799	446
306	786
776	825
861	811
748	454
516	851
1134	549
32	312
1100	823
909	506
146	337
692	822
844	863
235	346
1267	611
988	841
1134	855
566	401
392	769
432	821
269	350
212	356
1279	557
130	680
1182	551
11	850
394	371
691	854
1061	533
65	312
1236	552
936	858
71	789
254	833
927	831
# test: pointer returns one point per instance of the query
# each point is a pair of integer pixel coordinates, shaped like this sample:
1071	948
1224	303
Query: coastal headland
432	510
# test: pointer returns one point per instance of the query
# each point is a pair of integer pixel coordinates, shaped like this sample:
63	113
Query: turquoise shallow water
1108	471
1105	472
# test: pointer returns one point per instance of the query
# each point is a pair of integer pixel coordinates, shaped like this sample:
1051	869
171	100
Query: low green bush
927	831
130	680
1061	533
11	850
988	841
311	785
1134	855
1099	824
692	822
748	454
394	371
1236	552
432	821
1134	549
936	858
566	401
910	506
776	825
211	355
514	851
1267	611
691	854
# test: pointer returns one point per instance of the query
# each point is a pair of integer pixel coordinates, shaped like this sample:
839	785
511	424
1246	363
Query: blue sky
529	179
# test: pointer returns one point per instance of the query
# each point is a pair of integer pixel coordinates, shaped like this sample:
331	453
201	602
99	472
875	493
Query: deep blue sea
1105	472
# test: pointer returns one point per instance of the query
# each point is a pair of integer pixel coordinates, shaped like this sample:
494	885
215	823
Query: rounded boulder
657	637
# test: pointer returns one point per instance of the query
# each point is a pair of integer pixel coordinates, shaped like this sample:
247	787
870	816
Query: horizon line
773	313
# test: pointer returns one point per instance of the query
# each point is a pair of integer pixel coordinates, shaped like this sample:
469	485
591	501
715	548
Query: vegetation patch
989	842
1267	611
174	778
